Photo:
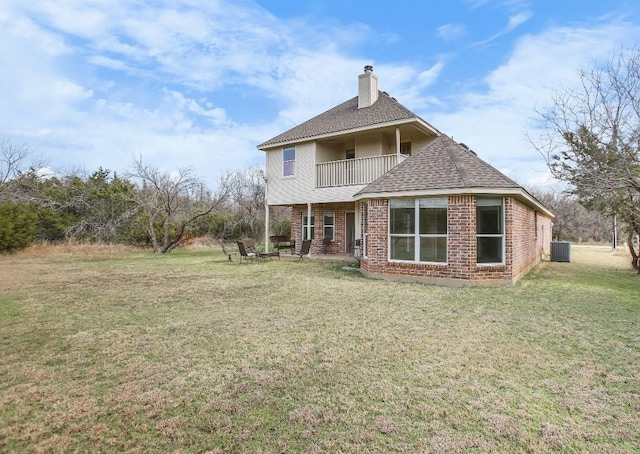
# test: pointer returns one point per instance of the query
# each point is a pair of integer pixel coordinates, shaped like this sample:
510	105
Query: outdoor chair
304	250
226	251
247	250
283	242
326	245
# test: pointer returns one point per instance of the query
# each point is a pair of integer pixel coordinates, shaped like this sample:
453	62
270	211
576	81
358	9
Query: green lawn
124	351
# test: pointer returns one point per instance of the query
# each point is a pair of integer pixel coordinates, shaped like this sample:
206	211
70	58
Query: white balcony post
309	224
266	215
398	141
266	227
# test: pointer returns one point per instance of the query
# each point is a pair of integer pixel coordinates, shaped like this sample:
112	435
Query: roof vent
466	147
368	69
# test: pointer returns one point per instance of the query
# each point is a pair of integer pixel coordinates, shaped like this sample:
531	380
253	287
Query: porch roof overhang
519	193
415	122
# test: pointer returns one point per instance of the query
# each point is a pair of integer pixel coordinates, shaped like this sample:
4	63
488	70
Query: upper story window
490	231
418	230
350	153
289	161
405	148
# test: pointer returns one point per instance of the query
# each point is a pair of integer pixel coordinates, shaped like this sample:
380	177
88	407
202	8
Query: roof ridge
455	163
486	164
345	117
441	164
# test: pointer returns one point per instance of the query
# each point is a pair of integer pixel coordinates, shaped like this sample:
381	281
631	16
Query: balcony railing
354	171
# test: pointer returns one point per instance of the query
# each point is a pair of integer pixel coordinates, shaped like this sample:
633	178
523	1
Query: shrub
17	226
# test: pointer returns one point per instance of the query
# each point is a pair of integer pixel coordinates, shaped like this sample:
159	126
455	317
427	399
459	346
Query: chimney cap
368	69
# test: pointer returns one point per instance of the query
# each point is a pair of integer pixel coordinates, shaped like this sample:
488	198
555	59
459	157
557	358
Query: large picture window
433	230
418	230
329	225
289	161
305	223
490	231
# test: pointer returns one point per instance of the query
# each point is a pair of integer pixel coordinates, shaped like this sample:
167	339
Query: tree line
573	222
145	207
591	140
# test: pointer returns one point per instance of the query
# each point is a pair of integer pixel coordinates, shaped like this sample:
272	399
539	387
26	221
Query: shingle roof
344	117
442	164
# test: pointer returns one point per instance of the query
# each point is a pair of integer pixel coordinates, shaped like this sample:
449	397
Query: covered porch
332	227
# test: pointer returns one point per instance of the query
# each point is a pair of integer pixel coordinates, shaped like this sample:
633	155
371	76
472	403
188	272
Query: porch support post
309	224
266	227
398	141
266	210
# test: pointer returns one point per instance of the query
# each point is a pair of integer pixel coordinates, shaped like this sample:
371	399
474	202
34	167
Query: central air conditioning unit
560	251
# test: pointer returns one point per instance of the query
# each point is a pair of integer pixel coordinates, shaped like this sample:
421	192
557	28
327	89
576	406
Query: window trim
416	235
332	215
304	226
289	161
502	235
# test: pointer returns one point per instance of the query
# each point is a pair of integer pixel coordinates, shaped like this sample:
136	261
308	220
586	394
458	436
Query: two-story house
369	176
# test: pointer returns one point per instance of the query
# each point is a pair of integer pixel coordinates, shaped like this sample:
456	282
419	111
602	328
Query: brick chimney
367	88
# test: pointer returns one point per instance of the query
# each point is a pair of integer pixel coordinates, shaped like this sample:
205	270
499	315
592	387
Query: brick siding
524	245
338	246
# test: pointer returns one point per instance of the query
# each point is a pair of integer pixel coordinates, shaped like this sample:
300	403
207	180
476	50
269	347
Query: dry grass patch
126	351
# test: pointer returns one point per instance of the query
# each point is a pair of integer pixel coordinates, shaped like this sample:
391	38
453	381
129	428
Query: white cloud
101	60
95	81
305	83
69	91
409	83
510	4
451	32
85	19
190	47
494	121
515	20
217	116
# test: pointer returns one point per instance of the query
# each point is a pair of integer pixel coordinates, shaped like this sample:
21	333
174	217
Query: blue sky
199	83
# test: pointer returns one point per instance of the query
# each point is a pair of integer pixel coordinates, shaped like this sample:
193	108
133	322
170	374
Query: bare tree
12	158
248	192
171	202
591	138
13	162
572	220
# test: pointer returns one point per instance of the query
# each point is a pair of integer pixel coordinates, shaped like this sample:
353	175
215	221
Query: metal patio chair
304	250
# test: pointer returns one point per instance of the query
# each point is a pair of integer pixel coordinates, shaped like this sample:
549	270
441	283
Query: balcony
355	171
